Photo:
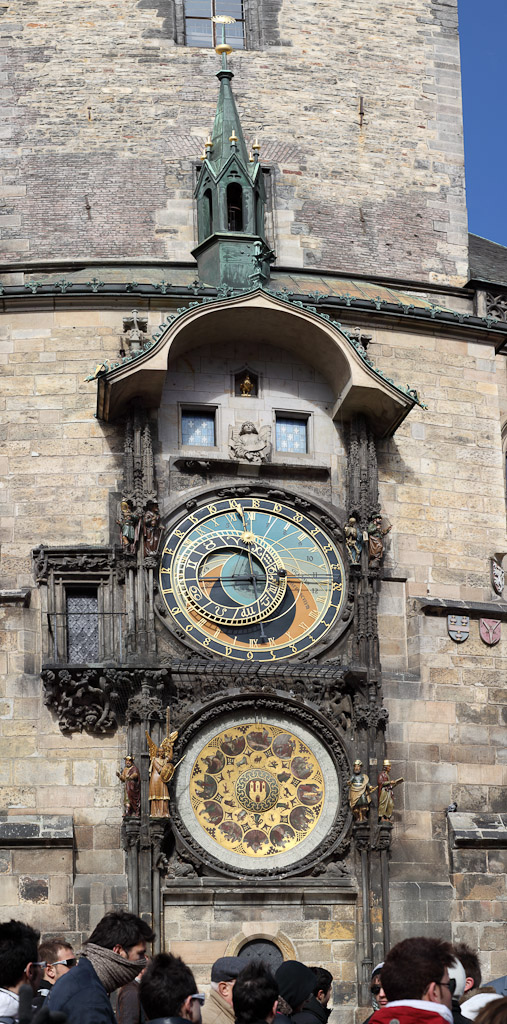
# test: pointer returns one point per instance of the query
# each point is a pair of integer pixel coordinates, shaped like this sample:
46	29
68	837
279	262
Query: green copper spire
230	196
227	135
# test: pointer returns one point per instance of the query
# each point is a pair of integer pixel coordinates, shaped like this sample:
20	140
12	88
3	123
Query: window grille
200	30
198	428
82	627
291	435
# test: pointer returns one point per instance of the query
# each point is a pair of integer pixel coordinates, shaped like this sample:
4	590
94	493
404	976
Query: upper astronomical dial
251	579
246	568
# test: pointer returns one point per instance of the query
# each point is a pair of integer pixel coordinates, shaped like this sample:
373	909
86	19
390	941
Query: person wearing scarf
113	956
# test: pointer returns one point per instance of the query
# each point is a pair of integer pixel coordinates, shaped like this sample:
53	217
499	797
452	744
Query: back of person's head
324	980
494	1013
470	961
49	949
165	985
254	993
18	948
296	982
412	965
121	929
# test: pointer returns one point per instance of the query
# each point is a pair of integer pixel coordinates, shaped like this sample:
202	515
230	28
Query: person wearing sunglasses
113	955
59	958
415	978
168	992
378	996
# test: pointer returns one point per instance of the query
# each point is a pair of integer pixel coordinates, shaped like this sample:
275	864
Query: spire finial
223	48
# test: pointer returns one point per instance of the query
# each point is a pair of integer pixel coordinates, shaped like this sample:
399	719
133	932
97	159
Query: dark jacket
81	995
42	994
313	1013
128	1007
457	1015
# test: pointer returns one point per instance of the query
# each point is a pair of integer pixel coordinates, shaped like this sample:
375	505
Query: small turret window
200	30
207	207
234	207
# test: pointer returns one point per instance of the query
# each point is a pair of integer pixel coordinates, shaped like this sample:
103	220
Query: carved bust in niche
251	443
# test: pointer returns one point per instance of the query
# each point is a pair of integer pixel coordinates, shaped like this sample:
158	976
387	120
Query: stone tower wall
106	119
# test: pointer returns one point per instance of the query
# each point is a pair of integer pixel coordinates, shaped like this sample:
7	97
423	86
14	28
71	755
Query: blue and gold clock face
251	579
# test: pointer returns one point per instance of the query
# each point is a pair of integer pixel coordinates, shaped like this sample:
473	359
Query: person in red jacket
415	979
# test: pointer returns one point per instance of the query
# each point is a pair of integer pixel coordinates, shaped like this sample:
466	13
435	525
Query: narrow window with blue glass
200	30
291	434
198	428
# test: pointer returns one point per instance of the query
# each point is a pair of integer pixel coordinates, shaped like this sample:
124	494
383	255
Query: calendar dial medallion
251	579
257	790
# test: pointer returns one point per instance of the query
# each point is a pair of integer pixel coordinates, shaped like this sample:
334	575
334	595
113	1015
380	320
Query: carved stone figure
353	540
130	776
151	528
376	532
385	792
359	792
161	773
128	524
135	327
250	443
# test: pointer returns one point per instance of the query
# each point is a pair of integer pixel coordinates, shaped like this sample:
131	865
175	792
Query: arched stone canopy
357	387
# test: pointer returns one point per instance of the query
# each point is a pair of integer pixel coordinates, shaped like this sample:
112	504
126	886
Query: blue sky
483	33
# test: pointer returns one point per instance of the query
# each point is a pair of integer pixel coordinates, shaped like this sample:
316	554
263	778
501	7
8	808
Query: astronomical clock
257	582
252	579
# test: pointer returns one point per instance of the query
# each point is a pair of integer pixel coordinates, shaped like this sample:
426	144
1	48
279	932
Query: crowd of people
421	981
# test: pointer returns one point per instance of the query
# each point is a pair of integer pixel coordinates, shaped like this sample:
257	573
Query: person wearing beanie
378	996
295	983
316	1009
113	956
218	1008
415	979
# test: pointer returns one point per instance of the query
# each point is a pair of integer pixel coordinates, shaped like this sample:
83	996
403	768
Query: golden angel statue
161	772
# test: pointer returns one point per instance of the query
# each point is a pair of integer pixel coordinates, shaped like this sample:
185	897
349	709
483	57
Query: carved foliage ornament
93	699
61	561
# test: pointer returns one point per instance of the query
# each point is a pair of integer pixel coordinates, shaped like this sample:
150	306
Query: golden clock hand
237	508
247	534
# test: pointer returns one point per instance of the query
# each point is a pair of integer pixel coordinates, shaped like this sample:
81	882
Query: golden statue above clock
251	579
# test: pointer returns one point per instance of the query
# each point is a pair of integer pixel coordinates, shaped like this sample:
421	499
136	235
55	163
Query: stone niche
311	920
